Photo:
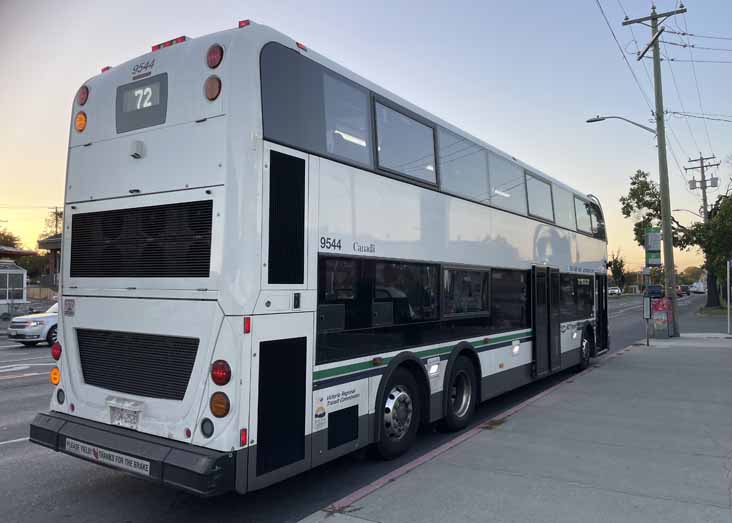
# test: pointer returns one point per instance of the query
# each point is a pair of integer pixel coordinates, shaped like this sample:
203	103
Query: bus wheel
585	350
400	415
462	392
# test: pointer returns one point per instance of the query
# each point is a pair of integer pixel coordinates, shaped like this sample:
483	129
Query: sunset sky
522	75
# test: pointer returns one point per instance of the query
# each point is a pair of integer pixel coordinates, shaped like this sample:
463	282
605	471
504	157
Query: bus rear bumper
195	469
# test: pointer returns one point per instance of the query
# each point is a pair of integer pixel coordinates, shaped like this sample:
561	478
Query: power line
625	58
703	117
695	46
637	46
694	35
681	103
698	92
682	60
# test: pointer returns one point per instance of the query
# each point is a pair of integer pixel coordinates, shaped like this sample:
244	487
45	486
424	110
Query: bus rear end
148	361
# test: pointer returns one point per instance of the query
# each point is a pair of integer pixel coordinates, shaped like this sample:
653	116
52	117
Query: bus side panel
341	419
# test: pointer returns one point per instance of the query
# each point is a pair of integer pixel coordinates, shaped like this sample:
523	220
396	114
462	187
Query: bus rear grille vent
147	365
162	241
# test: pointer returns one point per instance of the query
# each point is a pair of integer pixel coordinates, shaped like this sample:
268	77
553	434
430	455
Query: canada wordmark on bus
269	262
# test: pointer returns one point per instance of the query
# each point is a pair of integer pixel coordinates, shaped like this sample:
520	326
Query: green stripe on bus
437	351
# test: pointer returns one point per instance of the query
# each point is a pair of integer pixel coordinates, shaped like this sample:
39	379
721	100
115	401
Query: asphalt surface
39	485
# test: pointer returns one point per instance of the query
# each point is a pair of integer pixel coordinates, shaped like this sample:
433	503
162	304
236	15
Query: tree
9	239
54	222
691	275
715	238
35	265
643	203
617	268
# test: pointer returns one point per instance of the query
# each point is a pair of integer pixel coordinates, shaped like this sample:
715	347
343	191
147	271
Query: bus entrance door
555	338
540	303
602	337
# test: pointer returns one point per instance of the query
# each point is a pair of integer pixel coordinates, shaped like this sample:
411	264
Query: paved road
39	485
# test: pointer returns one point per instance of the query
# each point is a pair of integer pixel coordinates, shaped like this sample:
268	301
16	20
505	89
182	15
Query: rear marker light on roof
301	46
106	68
168	43
244	23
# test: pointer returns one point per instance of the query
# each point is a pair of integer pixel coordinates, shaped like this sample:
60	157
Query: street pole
668	246
705	209
729	298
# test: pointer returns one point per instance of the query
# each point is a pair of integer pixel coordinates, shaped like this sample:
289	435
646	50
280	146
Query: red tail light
247	325
214	56
56	351
244	23
243	438
220	372
83	95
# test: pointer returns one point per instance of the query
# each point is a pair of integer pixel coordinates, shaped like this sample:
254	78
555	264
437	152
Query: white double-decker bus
269	262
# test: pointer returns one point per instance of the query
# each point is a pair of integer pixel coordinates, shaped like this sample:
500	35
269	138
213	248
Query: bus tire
462	391
586	350
399	415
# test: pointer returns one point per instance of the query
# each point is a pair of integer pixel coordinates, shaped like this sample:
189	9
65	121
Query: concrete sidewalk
644	435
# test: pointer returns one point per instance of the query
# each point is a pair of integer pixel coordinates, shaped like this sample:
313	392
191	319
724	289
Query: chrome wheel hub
398	410
461	394
585	349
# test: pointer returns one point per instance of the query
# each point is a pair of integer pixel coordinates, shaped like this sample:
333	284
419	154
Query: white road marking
13	441
26	359
24	366
27	375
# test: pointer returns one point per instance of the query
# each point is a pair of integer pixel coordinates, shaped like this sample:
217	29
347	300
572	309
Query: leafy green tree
643	204
617	269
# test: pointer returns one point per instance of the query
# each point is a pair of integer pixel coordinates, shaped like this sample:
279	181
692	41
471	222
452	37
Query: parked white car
614	291
34	328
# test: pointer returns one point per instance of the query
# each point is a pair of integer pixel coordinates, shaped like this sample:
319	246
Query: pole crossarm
655	16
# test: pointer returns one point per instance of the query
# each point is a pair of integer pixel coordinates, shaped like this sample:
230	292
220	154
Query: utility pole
712	298
703	185
668	246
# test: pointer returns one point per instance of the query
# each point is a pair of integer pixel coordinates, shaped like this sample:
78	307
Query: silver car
34	328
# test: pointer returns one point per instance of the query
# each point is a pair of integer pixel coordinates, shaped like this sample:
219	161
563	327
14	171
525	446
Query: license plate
122	417
108	457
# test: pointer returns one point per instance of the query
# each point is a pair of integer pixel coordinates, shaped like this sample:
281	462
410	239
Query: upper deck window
405	145
508	190
346	120
582	209
463	166
304	105
598	222
564	208
539	195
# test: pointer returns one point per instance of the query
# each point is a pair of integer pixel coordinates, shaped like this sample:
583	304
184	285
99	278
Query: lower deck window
368	306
